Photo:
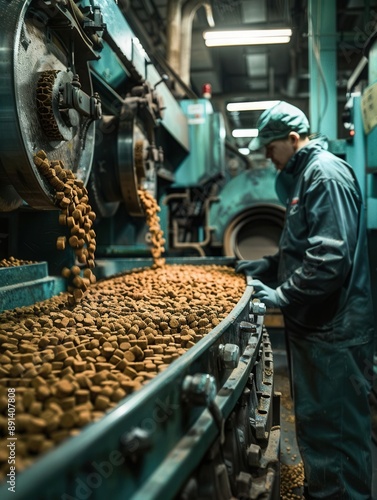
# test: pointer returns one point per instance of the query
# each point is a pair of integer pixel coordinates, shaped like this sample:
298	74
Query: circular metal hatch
29	50
254	233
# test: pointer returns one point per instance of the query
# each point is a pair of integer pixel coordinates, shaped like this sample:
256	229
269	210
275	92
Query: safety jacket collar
286	178
299	159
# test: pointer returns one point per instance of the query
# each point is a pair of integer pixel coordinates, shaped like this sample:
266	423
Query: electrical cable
316	52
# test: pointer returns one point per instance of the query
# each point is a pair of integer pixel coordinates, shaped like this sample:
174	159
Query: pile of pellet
13	262
292	481
70	365
77	215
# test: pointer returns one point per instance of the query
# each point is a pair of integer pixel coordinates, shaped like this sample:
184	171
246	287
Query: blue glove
252	267
265	294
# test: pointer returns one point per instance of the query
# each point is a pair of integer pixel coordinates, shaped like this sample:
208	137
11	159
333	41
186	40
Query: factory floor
291	466
292	471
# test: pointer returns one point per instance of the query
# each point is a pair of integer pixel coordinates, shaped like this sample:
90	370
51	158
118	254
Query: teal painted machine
360	148
219	204
361	151
207	140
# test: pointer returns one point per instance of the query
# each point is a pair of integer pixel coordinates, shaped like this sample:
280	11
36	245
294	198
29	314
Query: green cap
276	123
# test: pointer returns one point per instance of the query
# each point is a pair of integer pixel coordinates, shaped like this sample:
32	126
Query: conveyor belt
214	405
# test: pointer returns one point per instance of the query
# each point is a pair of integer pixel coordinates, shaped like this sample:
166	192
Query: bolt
199	389
230	355
135	443
258	308
247	327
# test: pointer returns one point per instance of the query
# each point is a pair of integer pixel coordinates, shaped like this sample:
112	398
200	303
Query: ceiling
252	72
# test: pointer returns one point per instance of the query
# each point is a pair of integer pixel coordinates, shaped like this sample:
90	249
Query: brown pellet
124	332
72	198
292	480
157	240
14	262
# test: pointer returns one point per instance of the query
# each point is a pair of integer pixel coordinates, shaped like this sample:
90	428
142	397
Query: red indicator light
207	90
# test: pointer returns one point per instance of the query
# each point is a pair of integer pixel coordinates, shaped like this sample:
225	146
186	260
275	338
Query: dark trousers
330	388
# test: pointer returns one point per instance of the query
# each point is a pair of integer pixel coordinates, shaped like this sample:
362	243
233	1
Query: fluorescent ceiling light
244	151
246	33
245	132
246	37
220	42
250	106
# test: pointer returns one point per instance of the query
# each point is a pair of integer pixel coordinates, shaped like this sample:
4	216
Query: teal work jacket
322	267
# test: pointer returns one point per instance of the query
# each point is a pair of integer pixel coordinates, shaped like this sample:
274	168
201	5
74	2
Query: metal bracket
200	390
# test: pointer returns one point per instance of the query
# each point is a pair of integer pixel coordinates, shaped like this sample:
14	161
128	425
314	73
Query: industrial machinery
206	427
359	119
77	84
102	107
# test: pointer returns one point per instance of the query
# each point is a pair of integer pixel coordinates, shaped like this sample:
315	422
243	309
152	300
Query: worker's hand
265	294
252	267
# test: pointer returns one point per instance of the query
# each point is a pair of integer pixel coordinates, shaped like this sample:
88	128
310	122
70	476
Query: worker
320	279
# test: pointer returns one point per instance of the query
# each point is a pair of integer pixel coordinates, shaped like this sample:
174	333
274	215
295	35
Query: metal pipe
179	244
322	66
173	50
198	246
189	10
209	14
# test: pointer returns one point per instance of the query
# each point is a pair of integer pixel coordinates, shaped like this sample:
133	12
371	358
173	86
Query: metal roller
135	169
46	99
126	157
121	167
